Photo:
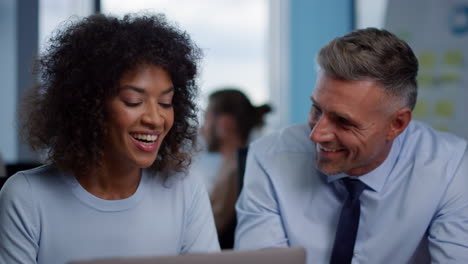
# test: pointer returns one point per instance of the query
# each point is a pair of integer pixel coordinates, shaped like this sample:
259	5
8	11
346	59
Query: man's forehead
348	98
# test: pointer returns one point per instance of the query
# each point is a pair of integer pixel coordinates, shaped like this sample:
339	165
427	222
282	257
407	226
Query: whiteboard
437	30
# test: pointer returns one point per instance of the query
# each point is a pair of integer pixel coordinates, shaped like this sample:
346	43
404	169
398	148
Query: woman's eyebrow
141	90
136	89
169	90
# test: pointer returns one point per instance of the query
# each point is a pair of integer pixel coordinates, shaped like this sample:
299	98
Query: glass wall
370	13
231	33
53	13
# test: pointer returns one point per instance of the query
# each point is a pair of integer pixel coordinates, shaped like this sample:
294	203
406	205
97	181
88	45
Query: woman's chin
145	165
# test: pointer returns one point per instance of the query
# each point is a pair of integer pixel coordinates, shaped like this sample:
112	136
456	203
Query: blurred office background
266	47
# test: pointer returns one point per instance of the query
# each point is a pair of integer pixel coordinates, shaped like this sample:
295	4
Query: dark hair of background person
80	71
375	54
236	104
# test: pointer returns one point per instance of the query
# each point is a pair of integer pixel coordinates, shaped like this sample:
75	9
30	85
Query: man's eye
344	121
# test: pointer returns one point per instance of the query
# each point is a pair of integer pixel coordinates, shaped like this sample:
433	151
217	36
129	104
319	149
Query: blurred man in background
228	123
2	168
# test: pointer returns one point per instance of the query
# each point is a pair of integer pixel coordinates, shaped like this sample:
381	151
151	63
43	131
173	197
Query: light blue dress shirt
47	217
413	210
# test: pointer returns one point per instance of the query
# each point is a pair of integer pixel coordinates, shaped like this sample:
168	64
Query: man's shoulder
422	140
431	152
294	138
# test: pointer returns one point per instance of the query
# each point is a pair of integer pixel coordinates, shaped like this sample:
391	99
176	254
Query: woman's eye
165	105
130	104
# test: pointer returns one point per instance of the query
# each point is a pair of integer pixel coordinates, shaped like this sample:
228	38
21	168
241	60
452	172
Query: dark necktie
349	222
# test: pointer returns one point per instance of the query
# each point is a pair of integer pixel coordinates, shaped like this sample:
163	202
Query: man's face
209	131
350	124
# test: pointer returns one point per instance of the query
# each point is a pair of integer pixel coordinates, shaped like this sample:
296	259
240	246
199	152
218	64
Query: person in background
3	172
361	182
228	124
115	111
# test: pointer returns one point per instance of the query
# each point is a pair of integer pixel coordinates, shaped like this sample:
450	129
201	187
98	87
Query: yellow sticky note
449	78
427	59
421	109
425	80
444	108
441	128
453	58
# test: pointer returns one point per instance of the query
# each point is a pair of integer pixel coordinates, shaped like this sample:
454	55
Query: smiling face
353	124
139	117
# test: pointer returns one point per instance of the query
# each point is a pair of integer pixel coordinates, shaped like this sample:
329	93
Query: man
361	182
229	121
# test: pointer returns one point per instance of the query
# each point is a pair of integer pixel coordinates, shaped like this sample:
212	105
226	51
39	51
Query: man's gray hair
373	54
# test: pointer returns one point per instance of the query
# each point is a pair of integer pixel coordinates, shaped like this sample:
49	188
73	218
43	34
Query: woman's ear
398	123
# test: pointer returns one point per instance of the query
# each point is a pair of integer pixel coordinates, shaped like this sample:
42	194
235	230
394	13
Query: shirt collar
376	178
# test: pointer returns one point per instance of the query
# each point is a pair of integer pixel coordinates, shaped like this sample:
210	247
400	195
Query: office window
370	13
53	13
231	33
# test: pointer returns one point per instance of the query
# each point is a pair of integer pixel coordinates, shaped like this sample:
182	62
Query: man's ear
225	125
398	123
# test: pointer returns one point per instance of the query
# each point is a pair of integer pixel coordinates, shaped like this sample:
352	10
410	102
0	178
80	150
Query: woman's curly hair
65	114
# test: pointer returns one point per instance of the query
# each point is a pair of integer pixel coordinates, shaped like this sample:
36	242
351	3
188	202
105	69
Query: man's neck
230	146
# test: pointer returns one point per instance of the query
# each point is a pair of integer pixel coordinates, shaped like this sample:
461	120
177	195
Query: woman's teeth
145	137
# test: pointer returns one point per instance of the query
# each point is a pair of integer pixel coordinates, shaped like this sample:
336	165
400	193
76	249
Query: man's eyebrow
341	115
345	116
314	102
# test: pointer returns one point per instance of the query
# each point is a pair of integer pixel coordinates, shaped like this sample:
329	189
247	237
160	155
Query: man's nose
323	130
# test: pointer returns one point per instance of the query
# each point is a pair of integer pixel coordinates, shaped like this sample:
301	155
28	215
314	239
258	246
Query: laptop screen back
264	256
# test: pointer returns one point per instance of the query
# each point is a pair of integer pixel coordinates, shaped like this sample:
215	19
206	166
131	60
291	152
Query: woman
115	114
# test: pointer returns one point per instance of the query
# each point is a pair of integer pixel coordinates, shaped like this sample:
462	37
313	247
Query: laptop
263	256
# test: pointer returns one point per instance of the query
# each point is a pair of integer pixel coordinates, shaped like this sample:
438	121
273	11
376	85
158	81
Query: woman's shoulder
45	176
36	175
22	190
